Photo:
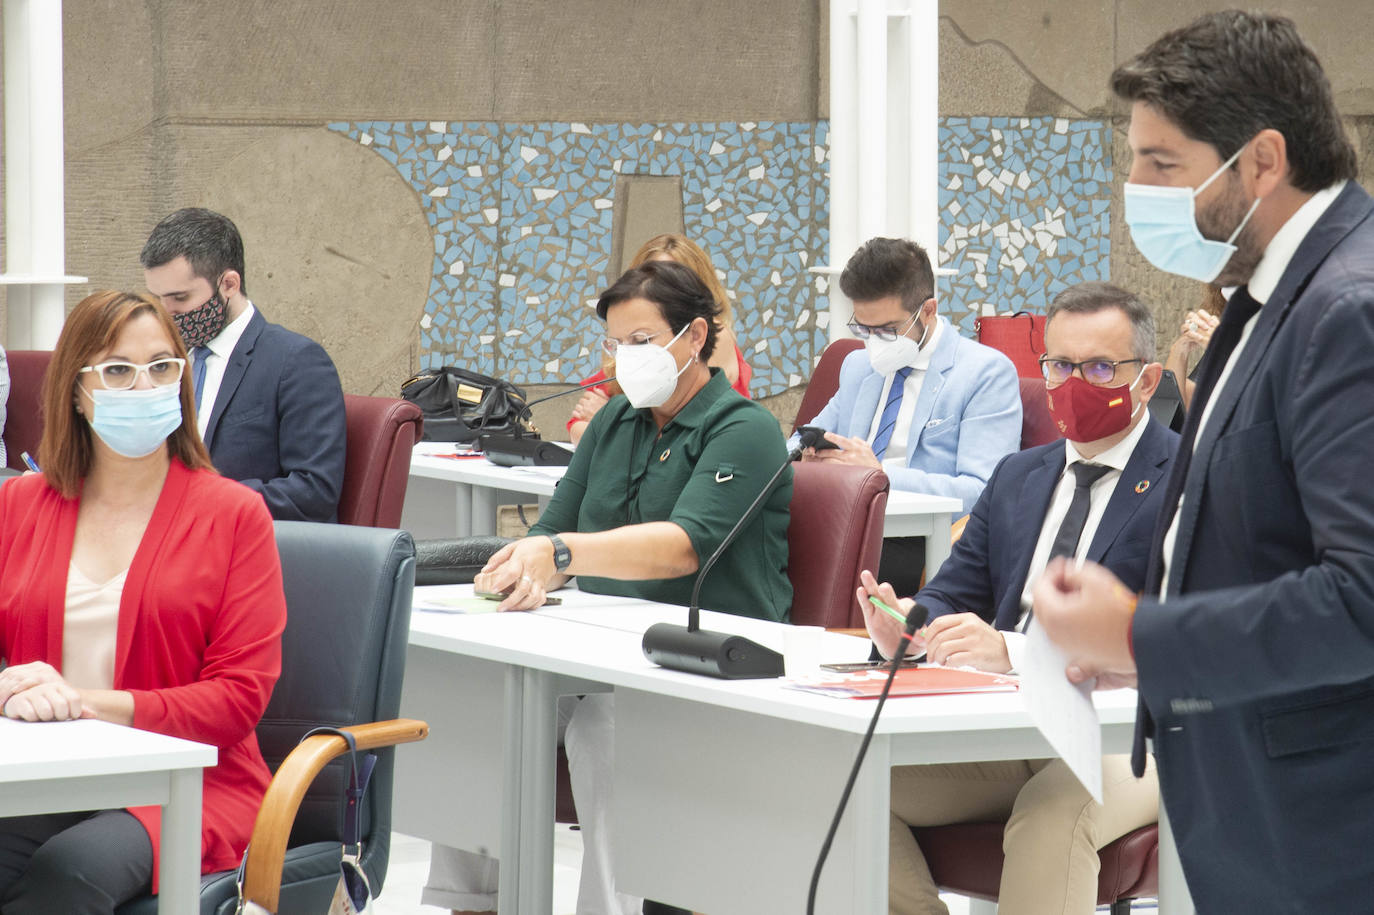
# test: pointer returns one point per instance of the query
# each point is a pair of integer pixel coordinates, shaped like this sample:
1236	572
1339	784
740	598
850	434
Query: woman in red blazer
136	586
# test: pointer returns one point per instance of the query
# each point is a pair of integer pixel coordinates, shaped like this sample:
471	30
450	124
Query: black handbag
460	404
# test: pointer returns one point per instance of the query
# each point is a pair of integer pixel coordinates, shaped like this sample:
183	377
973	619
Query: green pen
895	614
886	609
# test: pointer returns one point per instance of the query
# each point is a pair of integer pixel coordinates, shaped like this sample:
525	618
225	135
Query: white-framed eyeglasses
121	376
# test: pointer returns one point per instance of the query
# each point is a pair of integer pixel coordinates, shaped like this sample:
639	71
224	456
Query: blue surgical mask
135	422
1164	228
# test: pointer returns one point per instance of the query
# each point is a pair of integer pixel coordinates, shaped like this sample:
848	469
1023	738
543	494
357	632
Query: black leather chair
348	595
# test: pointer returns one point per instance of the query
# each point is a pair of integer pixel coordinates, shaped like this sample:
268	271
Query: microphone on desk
518	448
716	654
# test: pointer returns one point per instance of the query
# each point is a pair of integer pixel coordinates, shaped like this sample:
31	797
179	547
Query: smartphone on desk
497	596
814	437
855	666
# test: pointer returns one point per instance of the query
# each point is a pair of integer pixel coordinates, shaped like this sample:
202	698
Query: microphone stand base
711	654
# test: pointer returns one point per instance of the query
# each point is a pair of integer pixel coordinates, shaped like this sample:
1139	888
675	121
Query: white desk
724	789
458	497
93	765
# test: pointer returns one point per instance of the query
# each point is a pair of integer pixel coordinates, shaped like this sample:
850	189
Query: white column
35	230
884	131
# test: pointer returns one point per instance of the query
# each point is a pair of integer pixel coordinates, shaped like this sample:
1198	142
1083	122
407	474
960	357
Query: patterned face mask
201	325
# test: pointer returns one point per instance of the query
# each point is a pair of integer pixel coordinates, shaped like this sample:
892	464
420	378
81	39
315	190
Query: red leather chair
381	433
1037	425
825	380
966	858
836	532
23	410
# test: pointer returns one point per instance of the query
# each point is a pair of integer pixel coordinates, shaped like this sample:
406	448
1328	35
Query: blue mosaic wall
522	217
1024	212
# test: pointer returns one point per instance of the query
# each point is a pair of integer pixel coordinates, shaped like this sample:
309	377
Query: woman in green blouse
658	479
662	472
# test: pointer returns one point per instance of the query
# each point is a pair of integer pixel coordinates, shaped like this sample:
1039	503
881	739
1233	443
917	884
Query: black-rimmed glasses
885	332
1094	371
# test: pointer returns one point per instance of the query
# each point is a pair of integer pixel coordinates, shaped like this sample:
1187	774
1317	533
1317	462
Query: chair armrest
271	829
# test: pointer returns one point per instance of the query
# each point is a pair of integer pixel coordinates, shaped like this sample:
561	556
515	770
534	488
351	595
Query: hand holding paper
1087	613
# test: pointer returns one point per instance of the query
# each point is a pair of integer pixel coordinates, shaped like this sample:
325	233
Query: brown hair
689	254
66	451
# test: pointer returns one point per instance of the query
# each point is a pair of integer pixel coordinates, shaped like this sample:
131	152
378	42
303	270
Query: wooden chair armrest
272	828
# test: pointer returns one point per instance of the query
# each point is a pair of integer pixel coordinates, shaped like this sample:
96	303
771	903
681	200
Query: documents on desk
926	680
1063	712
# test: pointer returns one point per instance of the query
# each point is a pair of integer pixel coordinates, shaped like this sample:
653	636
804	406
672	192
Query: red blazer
199	633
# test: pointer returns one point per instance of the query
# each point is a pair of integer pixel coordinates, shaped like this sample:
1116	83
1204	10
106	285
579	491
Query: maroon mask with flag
1084	412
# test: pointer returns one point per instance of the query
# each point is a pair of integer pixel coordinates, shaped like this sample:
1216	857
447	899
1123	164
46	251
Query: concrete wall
230	105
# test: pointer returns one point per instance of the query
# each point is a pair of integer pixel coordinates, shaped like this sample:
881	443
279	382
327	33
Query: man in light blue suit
935	410
958	411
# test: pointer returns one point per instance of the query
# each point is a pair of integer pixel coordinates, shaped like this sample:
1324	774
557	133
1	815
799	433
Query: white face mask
887	356
647	372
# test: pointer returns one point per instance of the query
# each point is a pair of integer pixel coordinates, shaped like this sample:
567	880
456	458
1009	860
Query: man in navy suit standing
268	400
1253	648
1094	496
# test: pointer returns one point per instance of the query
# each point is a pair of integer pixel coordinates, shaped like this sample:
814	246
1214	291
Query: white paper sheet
1063	712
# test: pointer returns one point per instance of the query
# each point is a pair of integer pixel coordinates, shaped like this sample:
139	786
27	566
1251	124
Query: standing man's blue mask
1164	228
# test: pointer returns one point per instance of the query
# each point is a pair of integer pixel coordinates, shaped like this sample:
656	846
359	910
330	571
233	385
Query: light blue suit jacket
967	418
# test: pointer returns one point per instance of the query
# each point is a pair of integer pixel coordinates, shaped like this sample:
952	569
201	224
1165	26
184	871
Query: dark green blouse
701	471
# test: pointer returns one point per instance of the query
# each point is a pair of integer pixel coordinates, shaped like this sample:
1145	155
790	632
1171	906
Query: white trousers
468	881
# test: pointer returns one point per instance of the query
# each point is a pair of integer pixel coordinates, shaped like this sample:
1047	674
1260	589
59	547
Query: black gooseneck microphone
519	448
581	387
914	620
716	654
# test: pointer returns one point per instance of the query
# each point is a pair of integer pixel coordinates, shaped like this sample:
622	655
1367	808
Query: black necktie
1071	528
1239	310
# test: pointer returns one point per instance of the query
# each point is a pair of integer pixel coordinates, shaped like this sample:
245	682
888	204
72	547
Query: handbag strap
358	777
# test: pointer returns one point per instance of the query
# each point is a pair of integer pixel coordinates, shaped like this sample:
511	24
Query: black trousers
74	863
903	561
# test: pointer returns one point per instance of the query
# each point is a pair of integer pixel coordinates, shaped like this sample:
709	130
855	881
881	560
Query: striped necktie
888	421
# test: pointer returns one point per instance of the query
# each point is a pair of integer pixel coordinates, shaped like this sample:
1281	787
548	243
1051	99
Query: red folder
911	681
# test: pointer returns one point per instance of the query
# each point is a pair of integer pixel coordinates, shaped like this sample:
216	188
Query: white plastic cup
801	650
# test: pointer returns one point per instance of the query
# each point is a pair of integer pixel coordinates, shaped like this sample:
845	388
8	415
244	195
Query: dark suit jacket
277	424
987	568
1258	672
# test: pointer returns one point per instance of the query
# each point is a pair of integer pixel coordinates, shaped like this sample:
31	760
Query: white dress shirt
1115	457
221	347
1262	283
895	456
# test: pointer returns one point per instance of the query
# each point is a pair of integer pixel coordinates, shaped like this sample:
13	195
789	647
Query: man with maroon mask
1094	496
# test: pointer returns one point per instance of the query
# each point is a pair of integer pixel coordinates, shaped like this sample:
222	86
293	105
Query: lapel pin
1142	486
664	456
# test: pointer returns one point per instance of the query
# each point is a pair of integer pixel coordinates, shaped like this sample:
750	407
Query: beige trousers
1054	828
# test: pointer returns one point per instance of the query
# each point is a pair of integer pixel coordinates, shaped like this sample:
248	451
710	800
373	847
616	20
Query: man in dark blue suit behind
1254	645
1093	497
268	400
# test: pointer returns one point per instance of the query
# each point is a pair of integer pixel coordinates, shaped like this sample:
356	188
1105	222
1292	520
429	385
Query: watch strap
562	556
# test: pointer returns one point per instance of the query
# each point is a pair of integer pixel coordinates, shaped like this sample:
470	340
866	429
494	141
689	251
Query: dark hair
1087	298
209	241
680	295
889	266
66	450
1229	75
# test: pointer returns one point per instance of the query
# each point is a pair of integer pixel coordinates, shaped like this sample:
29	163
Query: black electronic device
524	449
527	449
1166	406
715	654
814	437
